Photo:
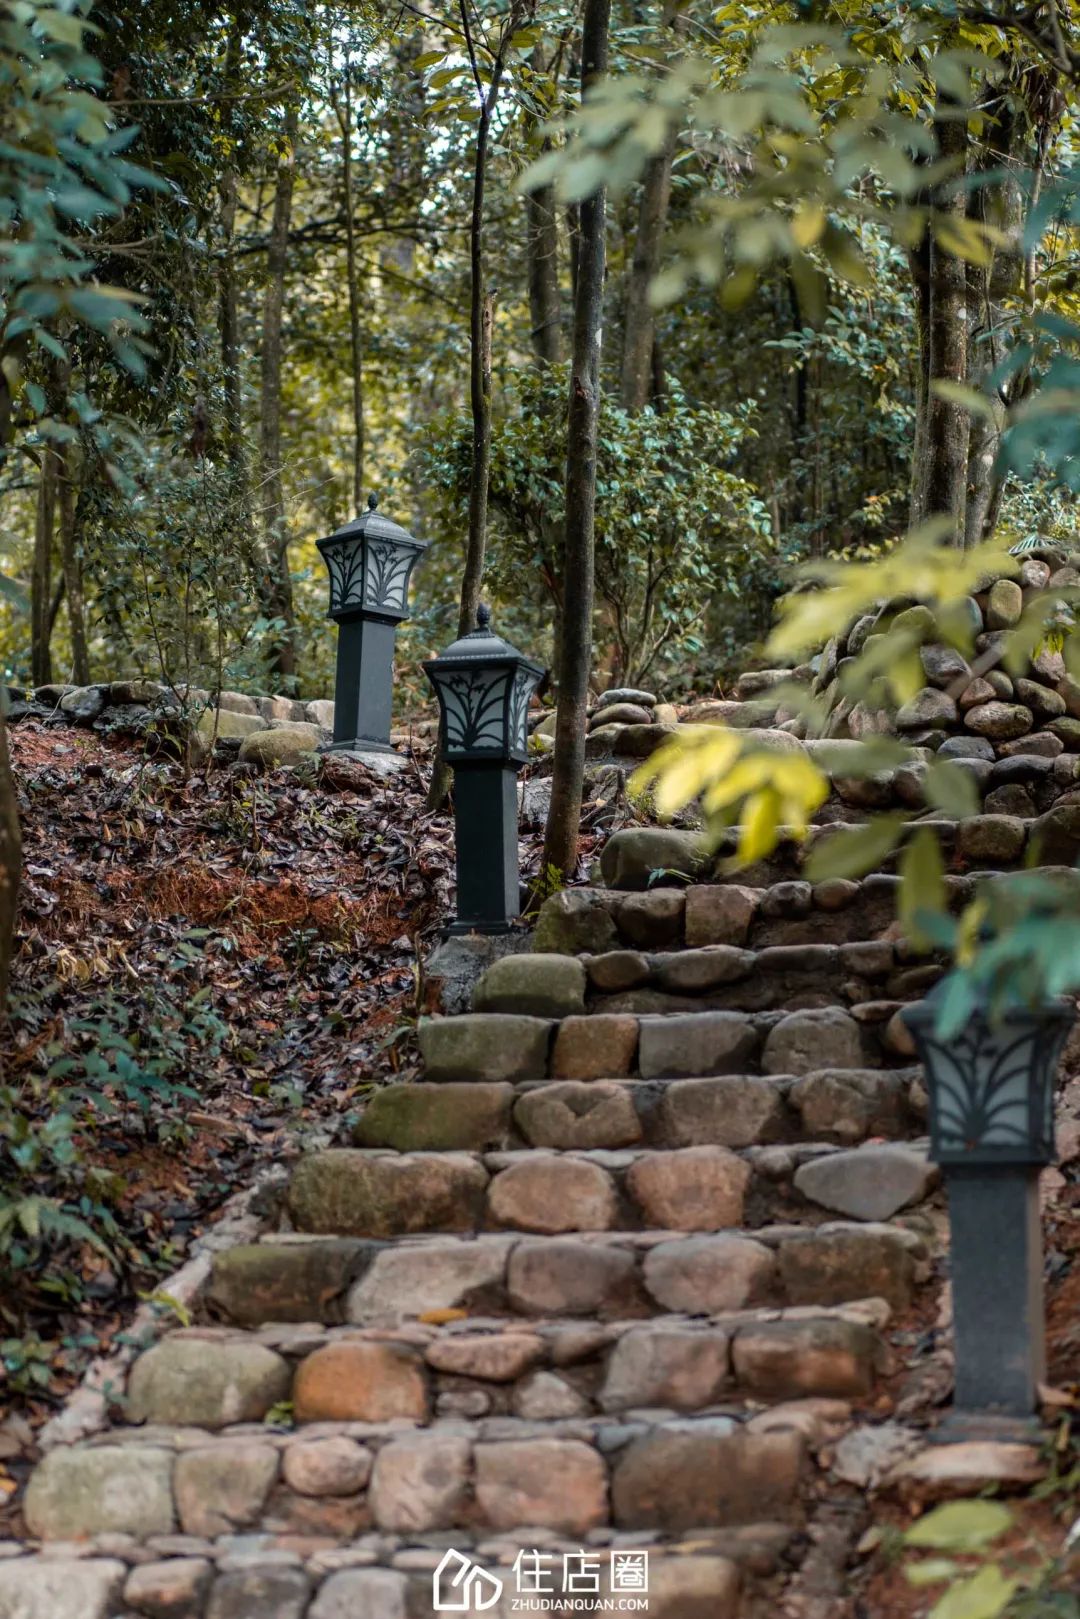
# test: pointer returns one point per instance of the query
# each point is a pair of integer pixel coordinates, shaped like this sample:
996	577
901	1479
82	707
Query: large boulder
576	919
550	985
287	1281
223	724
805	1041
998	721
637	856
868	1183
353	1192
61	1588
281	745
82	1490
202	1378
485	1046
437	1118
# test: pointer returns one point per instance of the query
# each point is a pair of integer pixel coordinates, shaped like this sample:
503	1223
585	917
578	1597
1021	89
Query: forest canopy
261	259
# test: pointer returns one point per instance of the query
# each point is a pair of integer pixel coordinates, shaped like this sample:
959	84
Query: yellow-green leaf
985	1596
853	851
960	1526
922	885
950	788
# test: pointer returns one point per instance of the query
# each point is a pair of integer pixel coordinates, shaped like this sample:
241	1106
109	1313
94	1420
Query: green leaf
922	883
985	1596
932	1571
956	393
960	1526
951	789
853	851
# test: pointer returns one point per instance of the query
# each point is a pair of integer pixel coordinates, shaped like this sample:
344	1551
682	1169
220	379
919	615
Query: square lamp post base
995	1261
360	745
983	1427
487	930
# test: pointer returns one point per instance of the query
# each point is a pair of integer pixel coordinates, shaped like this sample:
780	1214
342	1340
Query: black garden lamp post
991	1089
369	561
483	685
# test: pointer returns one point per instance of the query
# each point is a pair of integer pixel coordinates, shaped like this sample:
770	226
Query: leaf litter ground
210	973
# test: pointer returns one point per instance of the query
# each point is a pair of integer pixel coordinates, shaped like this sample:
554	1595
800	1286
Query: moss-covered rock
359	1193
281	745
437	1118
546	985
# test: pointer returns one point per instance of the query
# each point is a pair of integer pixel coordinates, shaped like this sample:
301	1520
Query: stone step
540	1369
717	977
175	1488
369	1192
639	859
310	1277
842	1105
595	921
380	1574
512	1048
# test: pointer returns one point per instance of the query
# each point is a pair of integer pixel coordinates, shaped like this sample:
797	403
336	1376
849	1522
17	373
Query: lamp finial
483	616
372	502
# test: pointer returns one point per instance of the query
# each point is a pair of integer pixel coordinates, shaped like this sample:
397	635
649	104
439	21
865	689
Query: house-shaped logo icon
461	1586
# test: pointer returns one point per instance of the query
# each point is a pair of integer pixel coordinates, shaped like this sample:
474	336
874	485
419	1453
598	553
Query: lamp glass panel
992	1090
518	722
474	701
345	561
386	583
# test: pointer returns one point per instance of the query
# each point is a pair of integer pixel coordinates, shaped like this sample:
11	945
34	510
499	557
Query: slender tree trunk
1001	202
343	111
564	817
229	326
228	311
919	262
639	321
70	525
41	571
948	423
542	258
481	322
277	598
10	863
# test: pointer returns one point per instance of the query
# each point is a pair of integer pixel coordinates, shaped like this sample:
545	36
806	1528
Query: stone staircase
612	1278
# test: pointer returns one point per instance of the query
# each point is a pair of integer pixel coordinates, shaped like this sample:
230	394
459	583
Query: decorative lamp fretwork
370	562
483	685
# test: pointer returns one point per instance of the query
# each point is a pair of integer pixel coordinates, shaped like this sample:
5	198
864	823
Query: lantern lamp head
483	685
370	562
991	1085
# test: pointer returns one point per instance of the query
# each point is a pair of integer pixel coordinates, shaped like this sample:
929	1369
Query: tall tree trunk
948	423
228	311
542	257
481	321
41	571
999	201
343	110
277	598
229	326
919	262
639	321
70	515
10	862
564	817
